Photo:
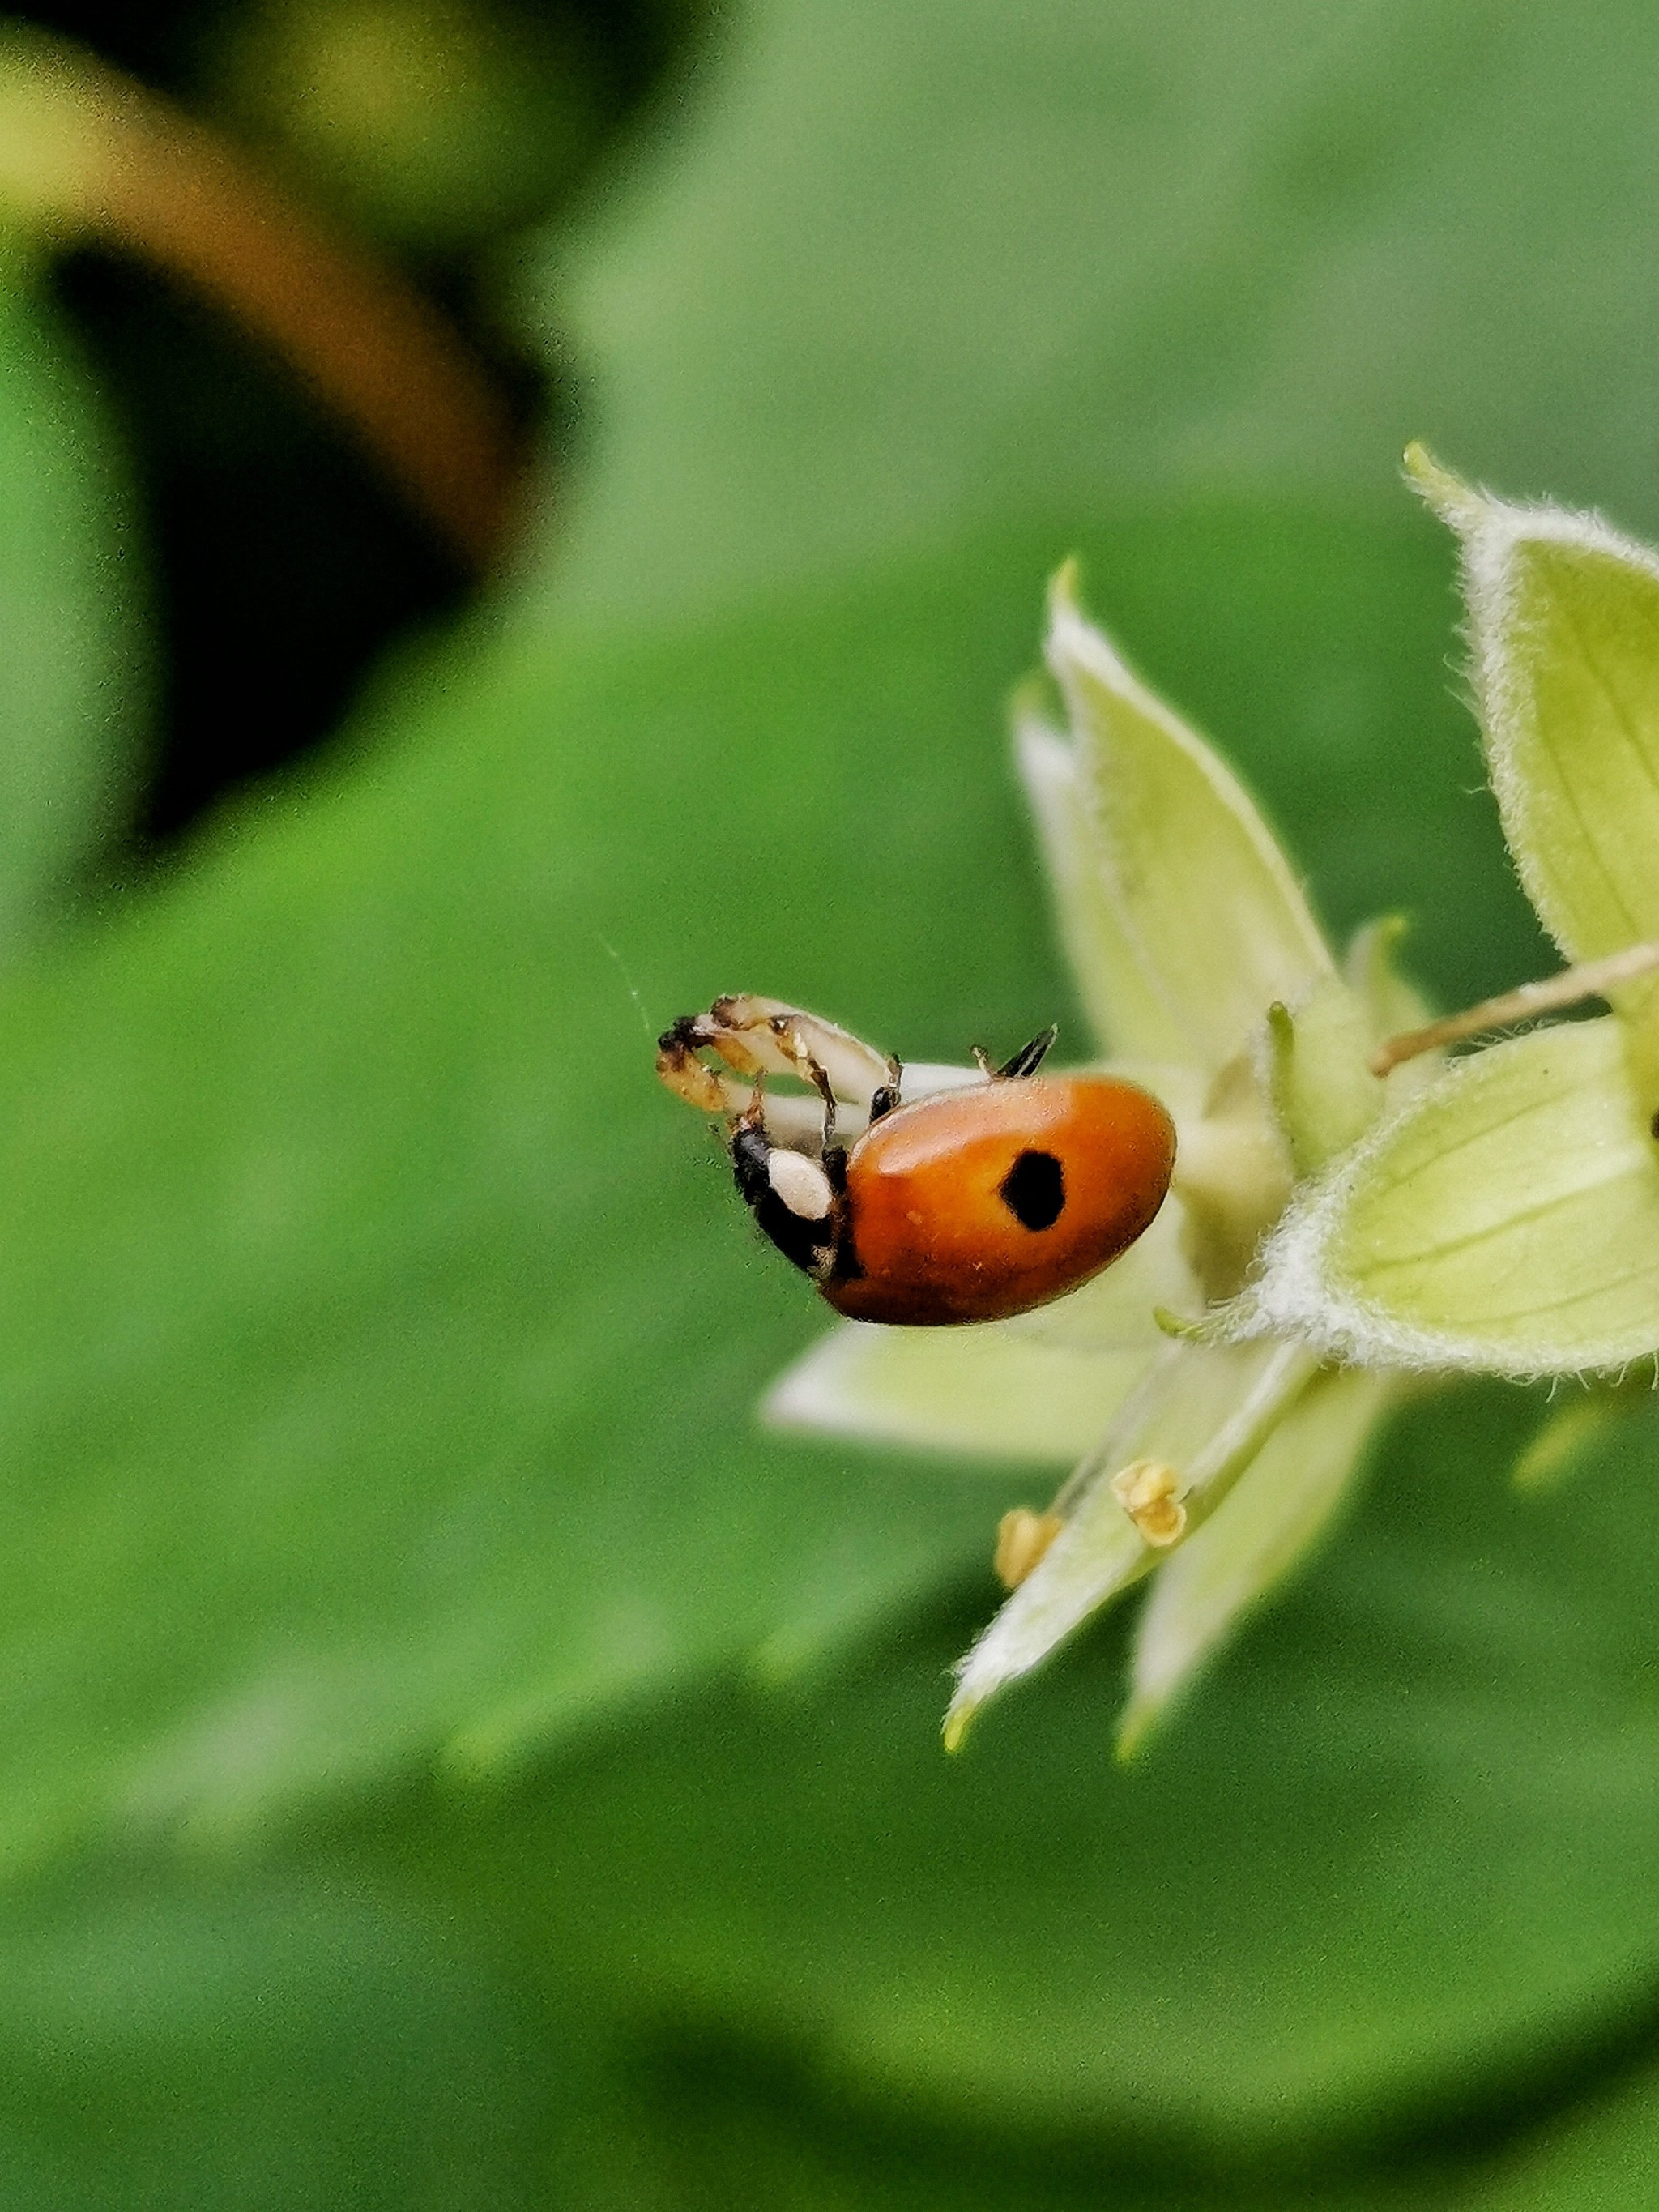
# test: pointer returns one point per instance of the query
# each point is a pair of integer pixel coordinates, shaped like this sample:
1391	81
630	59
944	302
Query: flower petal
1392	1002
1279	1505
1506	1220
983	1389
1323	1095
1203	1411
1129	1020
1315	1054
1040	1388
1200	891
1563	620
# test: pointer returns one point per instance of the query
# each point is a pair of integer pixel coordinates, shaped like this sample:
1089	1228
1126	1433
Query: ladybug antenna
1029	1057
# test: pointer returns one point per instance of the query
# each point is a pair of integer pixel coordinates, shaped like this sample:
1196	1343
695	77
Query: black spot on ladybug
1034	1190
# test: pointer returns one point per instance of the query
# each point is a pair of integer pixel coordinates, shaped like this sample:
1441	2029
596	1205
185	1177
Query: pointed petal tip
1373	947
1134	1730
1451	499
1073	642
1420	465
958	1721
1064	585
1212	919
1492	528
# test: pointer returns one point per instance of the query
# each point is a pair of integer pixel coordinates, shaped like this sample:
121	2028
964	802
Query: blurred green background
448	1756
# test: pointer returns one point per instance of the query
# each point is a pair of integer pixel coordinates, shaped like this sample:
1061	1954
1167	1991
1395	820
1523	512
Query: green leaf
68	712
290	2044
381	1343
737	2123
1508	1219
1407	1830
378	1354
901	267
378	1348
304	2038
1584	2159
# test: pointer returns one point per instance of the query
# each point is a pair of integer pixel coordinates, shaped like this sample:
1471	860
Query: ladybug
973	1203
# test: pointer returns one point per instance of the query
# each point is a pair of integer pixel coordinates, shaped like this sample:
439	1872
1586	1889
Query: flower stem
1569	988
94	155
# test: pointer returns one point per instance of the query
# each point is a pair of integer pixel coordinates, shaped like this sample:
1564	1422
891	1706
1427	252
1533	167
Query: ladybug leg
750	1148
789	1042
685	1073
811	1071
732	1088
712	1059
888	1096
746	1049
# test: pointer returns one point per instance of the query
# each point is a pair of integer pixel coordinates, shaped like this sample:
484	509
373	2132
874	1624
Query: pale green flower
1333	1230
1510	1222
1185	926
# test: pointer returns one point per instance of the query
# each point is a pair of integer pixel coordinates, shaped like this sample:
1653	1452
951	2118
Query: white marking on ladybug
801	1184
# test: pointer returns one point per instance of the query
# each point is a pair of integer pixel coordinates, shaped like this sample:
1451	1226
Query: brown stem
174	193
1572	985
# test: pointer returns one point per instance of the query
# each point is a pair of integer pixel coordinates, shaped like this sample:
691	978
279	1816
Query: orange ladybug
971	1204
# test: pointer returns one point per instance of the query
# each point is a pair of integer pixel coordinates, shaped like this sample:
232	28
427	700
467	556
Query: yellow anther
1149	1492
1022	1537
